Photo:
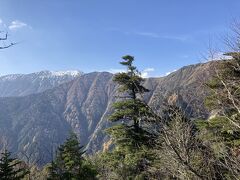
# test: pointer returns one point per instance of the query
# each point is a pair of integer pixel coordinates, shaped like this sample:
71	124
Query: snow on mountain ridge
10	77
43	74
69	73
13	85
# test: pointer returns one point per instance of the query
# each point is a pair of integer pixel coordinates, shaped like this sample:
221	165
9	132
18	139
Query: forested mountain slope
36	124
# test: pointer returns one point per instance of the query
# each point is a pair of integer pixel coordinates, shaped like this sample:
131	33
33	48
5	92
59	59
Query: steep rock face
26	84
87	101
38	123
42	121
188	82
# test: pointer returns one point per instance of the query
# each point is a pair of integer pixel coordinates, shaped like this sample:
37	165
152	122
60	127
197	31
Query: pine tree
132	110
132	137
10	168
69	163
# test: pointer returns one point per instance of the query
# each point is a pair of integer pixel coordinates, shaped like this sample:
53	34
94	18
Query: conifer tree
132	137
224	90
69	163
10	168
222	130
132	110
224	98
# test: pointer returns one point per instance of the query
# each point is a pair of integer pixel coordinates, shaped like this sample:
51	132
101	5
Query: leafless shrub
180	154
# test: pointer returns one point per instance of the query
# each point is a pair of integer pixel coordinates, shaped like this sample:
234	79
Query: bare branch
5	38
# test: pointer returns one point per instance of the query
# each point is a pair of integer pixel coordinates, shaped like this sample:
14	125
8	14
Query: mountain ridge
43	120
33	83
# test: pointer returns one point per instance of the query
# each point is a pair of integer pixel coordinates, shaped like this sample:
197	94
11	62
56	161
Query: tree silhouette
4	39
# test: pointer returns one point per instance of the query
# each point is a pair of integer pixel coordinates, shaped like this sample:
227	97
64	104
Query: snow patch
43	75
73	73
10	77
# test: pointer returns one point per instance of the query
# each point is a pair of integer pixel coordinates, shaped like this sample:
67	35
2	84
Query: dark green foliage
69	163
130	81
126	137
224	88
132	110
222	130
10	168
225	97
120	164
132	138
132	154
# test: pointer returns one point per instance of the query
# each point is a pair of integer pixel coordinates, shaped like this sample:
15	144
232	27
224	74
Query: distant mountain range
25	84
49	105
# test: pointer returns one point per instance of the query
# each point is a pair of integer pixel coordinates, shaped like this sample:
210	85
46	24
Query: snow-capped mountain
25	84
39	123
70	73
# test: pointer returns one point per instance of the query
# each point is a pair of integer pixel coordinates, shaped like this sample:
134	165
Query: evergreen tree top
10	167
70	163
128	60
130	81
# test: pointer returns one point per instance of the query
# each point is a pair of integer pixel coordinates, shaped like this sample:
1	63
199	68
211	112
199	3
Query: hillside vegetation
124	127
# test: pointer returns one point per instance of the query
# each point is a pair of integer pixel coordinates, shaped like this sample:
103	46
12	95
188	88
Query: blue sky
93	35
